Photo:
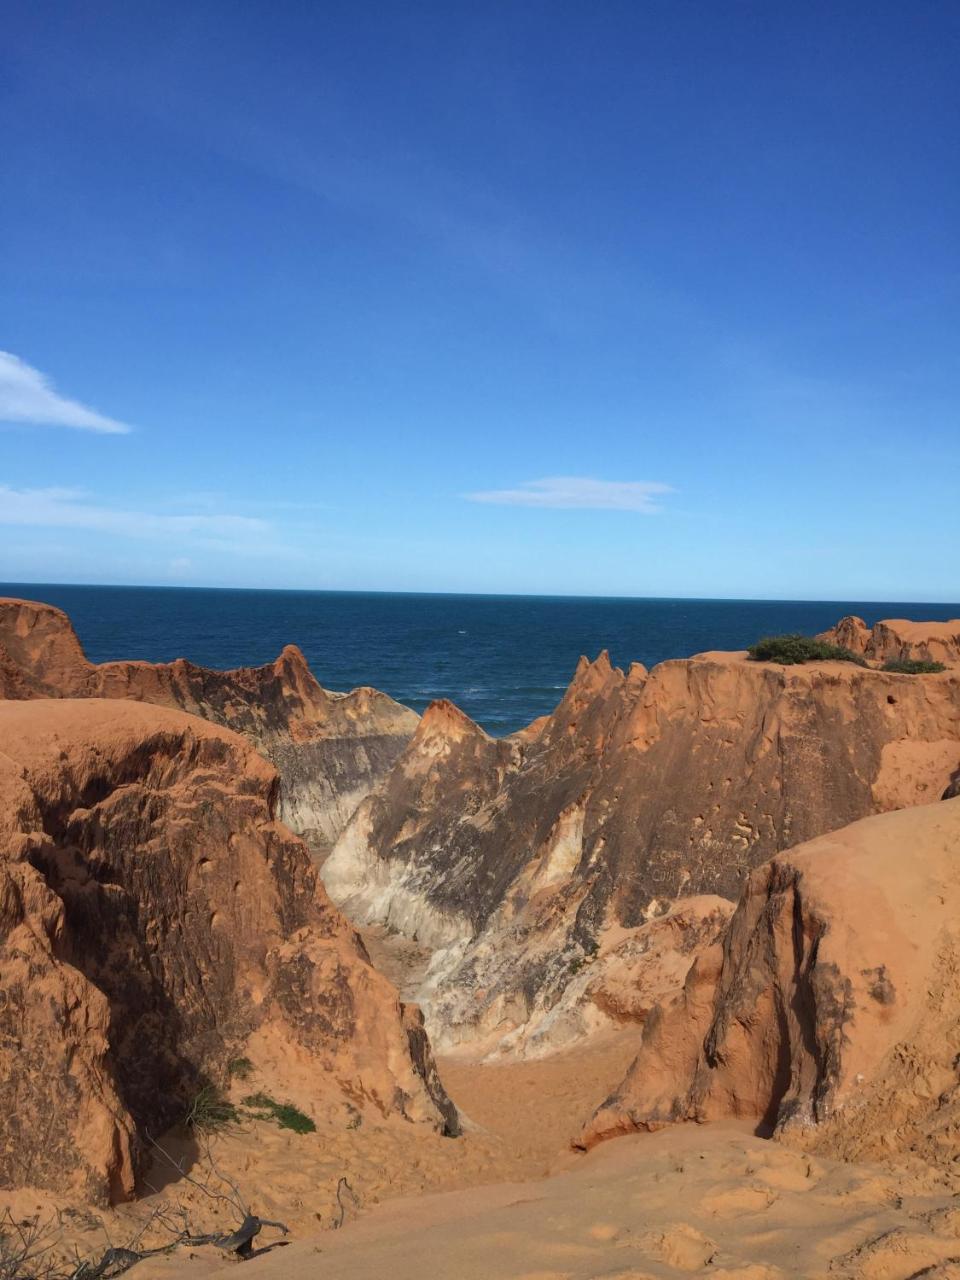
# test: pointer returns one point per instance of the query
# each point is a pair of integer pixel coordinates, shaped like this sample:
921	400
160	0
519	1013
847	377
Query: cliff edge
330	749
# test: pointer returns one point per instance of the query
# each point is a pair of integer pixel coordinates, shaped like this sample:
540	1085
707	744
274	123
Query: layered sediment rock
831	1014
156	921
330	749
513	859
614	986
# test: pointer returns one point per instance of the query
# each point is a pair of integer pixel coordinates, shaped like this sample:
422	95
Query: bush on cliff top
792	649
913	667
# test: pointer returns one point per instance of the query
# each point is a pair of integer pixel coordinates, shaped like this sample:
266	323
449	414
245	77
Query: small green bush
285	1114
913	667
795	648
240	1068
210	1111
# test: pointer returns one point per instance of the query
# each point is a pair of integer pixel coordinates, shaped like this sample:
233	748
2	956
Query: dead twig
343	1208
27	1248
234	1200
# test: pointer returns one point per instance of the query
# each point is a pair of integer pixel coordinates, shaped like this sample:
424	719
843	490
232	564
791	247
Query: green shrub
285	1114
210	1111
240	1068
258	1101
795	648
913	666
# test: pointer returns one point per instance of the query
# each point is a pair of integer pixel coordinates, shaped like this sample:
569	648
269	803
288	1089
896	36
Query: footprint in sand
856	1187
900	1255
681	1246
789	1173
605	1231
736	1201
942	1222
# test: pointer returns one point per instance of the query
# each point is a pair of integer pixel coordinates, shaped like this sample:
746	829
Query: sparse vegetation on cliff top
795	648
913	667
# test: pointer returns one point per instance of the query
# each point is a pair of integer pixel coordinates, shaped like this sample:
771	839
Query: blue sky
615	298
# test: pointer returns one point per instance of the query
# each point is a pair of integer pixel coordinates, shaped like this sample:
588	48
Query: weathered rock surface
831	1014
330	749
156	921
898	638
618	985
513	858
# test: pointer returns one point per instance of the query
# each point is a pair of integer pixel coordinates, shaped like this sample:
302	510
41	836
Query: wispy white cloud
74	509
581	492
26	395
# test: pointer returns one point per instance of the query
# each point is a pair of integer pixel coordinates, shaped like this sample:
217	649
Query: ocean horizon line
482	595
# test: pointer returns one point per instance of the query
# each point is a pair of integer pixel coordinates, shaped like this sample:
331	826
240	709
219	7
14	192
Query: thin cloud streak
27	396
71	509
579	493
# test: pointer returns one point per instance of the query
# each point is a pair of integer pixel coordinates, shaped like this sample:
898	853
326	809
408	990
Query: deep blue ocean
502	659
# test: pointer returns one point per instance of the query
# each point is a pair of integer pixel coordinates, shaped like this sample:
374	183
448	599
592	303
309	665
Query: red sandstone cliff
831	1014
897	638
514	859
156	920
330	749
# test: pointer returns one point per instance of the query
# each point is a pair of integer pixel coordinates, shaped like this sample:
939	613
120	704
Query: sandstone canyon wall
566	877
330	749
831	1013
156	921
519	860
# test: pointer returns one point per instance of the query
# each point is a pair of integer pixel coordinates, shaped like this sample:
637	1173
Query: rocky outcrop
831	1014
156	922
330	749
897	638
513	859
612	987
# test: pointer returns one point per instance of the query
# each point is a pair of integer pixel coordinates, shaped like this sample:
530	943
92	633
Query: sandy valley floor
715	1202
511	1201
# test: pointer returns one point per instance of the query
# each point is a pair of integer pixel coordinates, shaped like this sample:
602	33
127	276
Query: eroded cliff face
330	749
156	921
831	1014
898	638
515	859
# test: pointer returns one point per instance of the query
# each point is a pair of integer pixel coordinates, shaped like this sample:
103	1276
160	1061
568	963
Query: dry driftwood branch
26	1248
240	1240
32	1249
